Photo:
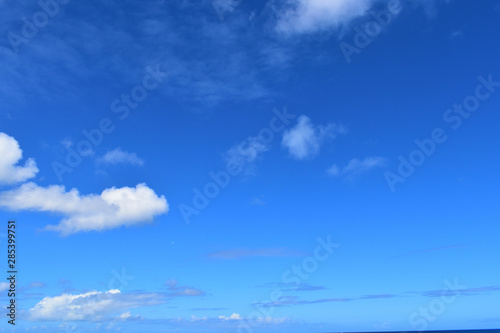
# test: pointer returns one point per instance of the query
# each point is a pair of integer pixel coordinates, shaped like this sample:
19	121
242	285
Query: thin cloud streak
246	253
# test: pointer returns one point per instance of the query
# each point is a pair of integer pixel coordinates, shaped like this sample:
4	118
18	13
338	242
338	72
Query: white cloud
262	320
431	6
223	6
91	306
67	142
308	16
234	316
305	139
11	154
271	320
118	155
356	166
4	286
126	316
87	152
229	321
113	208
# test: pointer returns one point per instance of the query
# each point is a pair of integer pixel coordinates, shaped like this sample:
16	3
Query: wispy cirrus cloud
462	292
357	167
288	300
377	296
176	290
298	17
223	7
305	139
292	286
310	16
246	152
208	309
198	72
294	300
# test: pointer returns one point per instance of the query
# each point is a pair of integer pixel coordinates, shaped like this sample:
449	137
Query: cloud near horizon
91	306
464	291
242	321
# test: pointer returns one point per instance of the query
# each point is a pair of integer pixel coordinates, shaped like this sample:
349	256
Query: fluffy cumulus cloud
305	139
119	156
10	171
356	166
91	306
113	208
309	16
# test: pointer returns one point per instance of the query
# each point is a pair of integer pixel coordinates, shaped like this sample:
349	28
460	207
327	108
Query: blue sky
251	166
